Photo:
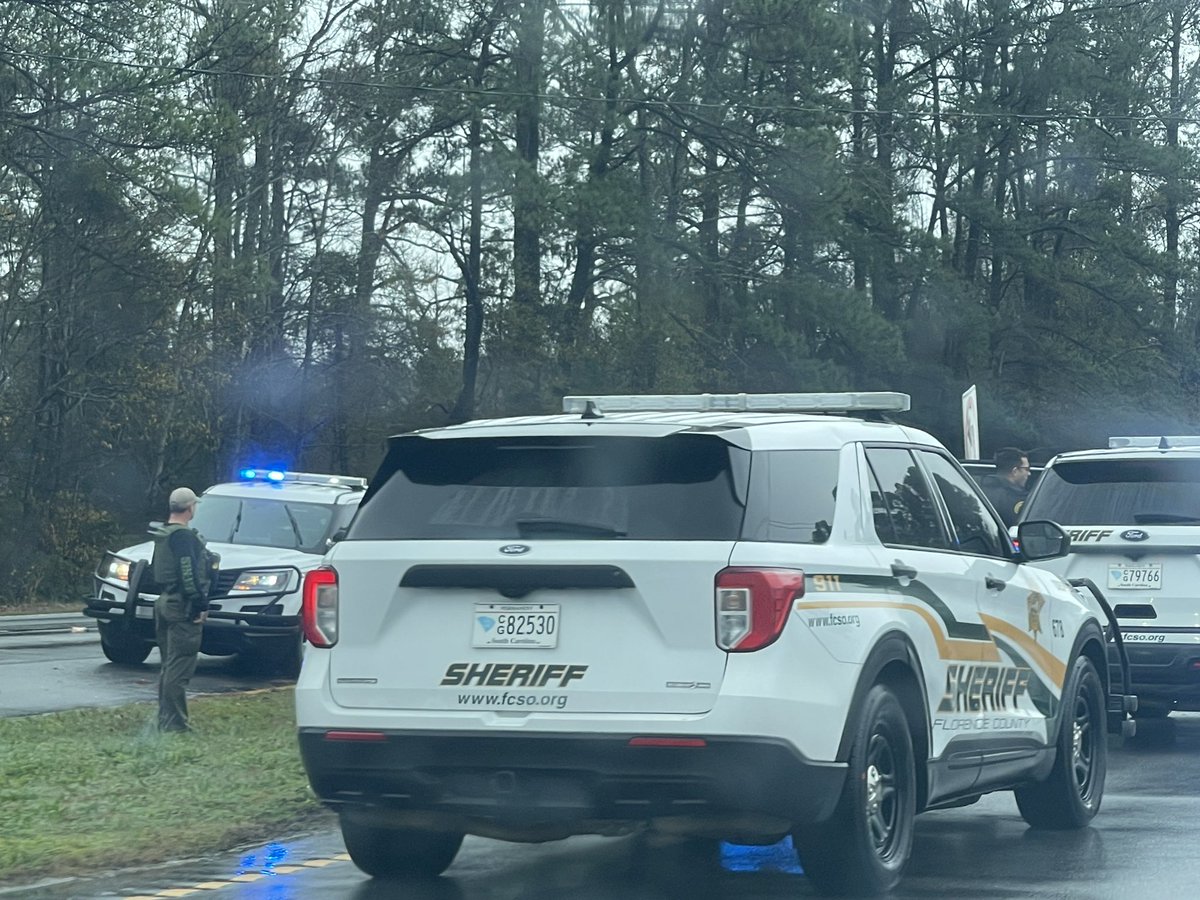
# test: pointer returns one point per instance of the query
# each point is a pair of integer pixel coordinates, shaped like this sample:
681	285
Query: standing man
1006	488
181	567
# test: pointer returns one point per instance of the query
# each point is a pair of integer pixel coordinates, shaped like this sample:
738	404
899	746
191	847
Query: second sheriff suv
269	527
1133	514
725	616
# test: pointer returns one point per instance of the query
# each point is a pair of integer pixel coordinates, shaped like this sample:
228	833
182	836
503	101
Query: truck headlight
114	568
262	582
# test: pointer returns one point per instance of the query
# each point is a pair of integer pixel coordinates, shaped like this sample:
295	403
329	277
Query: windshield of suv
264	522
682	487
1118	492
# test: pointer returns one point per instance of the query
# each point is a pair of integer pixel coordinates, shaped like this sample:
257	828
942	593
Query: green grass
93	789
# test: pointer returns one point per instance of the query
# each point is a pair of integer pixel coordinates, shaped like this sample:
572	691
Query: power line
561	97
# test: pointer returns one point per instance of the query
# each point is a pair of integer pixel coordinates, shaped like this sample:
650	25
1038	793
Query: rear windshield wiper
533	526
1164	519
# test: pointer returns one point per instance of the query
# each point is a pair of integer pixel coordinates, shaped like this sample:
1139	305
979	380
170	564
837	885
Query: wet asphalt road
50	663
1143	843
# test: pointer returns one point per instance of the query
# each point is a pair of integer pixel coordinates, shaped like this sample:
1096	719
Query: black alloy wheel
1069	797
865	846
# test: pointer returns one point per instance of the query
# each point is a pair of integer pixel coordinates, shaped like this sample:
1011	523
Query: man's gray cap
182	498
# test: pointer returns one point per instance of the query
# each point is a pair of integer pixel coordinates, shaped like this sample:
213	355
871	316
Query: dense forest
276	231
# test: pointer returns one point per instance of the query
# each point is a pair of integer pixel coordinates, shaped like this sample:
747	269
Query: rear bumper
487	780
1165	672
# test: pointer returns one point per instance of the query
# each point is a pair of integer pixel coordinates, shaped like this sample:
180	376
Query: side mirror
338	535
1042	540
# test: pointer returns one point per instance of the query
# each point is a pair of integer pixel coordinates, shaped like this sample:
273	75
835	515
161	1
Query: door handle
995	584
900	570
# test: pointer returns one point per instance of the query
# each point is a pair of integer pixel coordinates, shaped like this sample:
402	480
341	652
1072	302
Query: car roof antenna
591	411
1162	443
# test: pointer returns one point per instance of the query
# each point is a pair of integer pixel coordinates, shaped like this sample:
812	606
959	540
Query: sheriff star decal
1033	605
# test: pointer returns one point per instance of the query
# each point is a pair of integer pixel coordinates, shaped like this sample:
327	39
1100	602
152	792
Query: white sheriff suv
730	616
270	527
1133	515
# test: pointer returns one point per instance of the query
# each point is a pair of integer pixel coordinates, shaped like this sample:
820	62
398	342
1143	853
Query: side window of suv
974	527
905	510
792	496
879	510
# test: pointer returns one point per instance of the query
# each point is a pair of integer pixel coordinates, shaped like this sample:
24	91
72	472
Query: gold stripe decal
1047	661
948	648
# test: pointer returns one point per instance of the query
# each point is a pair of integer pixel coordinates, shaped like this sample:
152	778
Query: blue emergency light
280	476
275	475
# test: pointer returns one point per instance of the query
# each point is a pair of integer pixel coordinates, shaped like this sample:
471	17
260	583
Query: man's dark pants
178	645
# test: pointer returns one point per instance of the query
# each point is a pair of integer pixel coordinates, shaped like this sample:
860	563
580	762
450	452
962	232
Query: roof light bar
279	476
1148	440
850	401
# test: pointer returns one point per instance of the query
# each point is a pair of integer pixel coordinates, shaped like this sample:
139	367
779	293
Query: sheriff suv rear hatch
1135	531
548	573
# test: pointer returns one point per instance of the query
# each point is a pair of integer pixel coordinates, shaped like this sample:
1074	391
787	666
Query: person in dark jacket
1006	488
182	566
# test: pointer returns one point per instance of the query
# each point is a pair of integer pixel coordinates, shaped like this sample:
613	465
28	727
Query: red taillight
319	616
752	606
372	737
691	743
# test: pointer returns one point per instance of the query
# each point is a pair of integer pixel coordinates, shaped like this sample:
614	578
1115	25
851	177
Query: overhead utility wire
559	98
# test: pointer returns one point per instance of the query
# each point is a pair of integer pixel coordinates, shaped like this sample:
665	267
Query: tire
278	658
1070	796
399	853
122	648
865	846
287	659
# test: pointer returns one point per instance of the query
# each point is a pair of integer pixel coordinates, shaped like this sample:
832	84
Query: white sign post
970	423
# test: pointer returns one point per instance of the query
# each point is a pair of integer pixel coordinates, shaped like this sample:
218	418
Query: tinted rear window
682	487
792	496
1118	492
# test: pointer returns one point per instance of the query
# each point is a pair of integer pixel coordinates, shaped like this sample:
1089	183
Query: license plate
1132	577
525	626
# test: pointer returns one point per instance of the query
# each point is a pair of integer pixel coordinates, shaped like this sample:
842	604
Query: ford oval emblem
1134	534
514	549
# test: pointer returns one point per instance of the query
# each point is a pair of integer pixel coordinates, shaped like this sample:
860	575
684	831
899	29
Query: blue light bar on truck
280	476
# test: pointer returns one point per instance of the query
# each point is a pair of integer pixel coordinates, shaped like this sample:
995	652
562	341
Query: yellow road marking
242	879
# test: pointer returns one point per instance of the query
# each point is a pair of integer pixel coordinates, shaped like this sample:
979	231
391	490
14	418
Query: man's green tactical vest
182	565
